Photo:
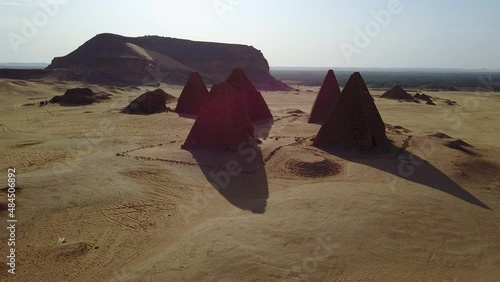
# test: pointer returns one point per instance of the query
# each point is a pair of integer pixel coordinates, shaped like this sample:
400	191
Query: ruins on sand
326	100
355	121
79	97
223	123
255	104
193	96
151	102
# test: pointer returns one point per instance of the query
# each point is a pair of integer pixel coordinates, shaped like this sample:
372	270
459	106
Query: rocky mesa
119	60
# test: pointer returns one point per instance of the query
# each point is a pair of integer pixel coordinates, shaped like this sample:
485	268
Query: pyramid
326	100
222	123
355	121
256	106
151	102
193	96
398	93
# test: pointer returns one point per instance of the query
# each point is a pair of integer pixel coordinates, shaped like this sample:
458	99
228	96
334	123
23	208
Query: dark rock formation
326	100
79	97
149	103
424	97
451	103
256	106
193	96
461	145
223	123
355	122
119	60
441	135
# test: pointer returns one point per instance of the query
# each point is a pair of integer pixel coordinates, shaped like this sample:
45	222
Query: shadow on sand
406	165
263	128
238	176
187	116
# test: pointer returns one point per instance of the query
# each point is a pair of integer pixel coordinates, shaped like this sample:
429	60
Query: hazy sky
315	33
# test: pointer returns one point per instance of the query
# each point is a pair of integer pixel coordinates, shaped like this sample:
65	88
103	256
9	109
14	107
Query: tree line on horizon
411	80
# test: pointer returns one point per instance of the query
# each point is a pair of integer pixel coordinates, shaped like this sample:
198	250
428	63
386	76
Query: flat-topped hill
116	59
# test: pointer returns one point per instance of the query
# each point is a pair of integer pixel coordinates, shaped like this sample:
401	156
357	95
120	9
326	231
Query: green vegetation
410	80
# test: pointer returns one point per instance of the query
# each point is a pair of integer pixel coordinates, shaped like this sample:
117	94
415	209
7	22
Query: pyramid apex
326	99
238	70
193	95
255	104
223	123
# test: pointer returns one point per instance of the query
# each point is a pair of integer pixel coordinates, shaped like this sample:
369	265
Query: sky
290	33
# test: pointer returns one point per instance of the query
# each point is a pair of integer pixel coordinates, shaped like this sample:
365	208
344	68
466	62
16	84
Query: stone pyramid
223	122
256	106
355	121
326	100
193	96
397	92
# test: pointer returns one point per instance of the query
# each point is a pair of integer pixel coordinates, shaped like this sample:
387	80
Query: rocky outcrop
115	59
424	97
79	97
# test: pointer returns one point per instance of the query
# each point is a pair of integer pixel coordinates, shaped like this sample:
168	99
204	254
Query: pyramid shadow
408	166
262	129
187	116
240	177
70	105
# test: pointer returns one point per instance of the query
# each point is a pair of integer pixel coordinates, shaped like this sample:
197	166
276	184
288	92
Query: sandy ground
133	206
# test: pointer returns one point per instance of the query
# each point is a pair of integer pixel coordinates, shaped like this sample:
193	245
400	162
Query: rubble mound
80	97
151	102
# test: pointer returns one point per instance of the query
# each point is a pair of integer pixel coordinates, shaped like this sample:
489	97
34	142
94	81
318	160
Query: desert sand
132	206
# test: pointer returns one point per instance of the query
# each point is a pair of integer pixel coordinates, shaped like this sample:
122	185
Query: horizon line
390	68
324	67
